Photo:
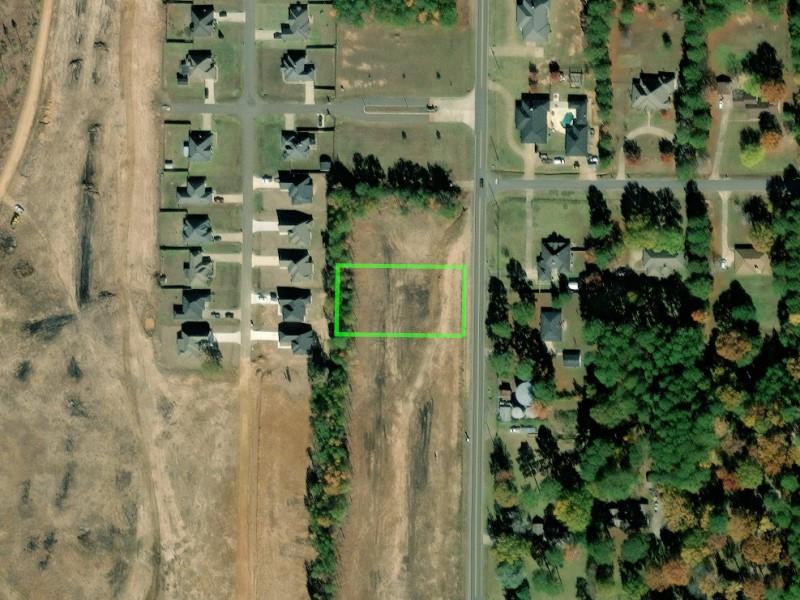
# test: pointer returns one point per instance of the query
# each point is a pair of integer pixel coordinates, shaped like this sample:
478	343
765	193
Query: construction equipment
18	211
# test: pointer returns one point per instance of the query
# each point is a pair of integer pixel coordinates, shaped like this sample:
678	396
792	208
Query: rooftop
296	145
298	24
299	336
199	145
197	229
194	191
193	304
749	261
554	258
293	303
295	67
299	185
661	264
197	65
193	337
203	21
550	324
653	91
577	132
533	20
298	262
530	118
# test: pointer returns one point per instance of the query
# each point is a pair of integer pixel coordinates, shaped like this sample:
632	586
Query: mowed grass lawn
742	34
454	149
502	156
227	52
404	61
224	169
568	216
773	162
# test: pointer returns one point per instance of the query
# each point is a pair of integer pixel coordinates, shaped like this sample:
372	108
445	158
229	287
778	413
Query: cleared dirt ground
118	478
404	535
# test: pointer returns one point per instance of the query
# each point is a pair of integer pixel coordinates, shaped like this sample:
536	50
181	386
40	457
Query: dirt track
403	536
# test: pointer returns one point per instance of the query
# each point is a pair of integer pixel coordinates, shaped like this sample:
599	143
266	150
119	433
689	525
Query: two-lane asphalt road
475	502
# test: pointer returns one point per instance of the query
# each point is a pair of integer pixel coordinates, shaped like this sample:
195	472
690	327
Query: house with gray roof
550	324
197	230
194	191
199	145
195	338
293	302
298	184
193	304
576	142
296	67
297	336
199	269
298	262
653	91
555	257
297	226
196	66
296	145
572	358
203	23
661	264
299	24
533	20
530	118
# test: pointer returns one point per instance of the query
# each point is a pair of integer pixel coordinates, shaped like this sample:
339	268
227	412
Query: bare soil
404	536
18	21
416	299
118	478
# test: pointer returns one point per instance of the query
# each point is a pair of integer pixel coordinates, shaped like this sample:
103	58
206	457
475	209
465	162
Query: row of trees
351	192
698	243
598	18
413	184
693	114
517	348
397	12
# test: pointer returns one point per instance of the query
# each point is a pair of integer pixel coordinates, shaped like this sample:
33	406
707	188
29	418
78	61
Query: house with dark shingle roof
293	302
193	304
572	358
197	230
577	131
296	145
653	91
199	269
299	23
194	337
550	324
199	145
749	261
298	184
297	336
196	66
555	257
530	118
533	20
203	22
296	67
297	226
298	262
194	191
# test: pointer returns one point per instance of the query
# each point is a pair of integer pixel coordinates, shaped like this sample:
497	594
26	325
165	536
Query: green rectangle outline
399	334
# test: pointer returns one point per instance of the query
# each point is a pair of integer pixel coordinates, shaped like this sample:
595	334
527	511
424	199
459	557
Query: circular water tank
517	413
524	394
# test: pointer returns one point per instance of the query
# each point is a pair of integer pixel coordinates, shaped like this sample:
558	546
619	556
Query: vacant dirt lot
404	536
416	295
118	479
18	20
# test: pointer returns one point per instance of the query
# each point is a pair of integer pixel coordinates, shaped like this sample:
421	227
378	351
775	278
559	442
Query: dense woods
699	421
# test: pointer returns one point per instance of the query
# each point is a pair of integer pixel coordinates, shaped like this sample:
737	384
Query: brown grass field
404	537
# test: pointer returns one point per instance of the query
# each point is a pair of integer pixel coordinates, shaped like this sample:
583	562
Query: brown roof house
749	261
